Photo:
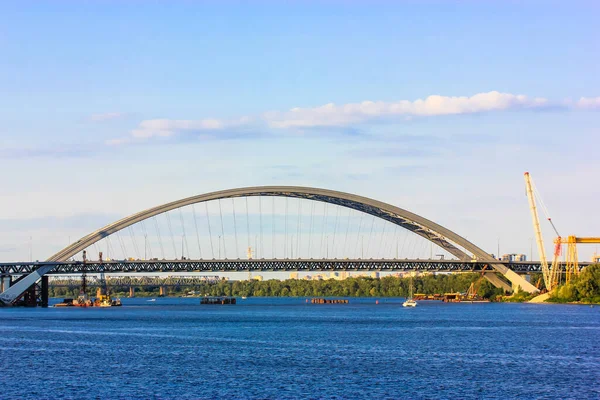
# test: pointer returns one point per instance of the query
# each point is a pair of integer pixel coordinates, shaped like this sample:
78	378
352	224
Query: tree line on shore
584	288
388	286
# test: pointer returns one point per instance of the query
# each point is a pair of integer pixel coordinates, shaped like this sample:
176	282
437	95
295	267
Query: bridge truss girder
260	265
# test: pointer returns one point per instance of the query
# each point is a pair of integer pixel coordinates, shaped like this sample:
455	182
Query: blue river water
284	348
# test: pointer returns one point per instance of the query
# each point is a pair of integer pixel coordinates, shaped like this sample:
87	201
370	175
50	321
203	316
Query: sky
438	107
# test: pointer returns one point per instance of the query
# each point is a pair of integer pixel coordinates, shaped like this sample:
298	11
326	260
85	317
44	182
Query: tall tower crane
546	272
552	274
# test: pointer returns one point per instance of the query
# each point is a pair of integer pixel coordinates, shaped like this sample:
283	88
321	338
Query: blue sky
108	107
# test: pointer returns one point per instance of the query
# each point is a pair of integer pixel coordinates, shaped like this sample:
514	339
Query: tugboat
103	298
82	300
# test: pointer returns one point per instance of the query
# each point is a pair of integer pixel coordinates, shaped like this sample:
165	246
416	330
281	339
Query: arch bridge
438	235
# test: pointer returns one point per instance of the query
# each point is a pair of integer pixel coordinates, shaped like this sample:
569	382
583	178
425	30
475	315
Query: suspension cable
404	241
172	237
273	255
110	246
212	249
96	248
237	254
107	252
381	241
394	244
347	231
286	229
122	245
197	233
135	246
414	247
248	226
222	231
298	228
162	249
323	225
187	247
312	210
261	227
358	234
370	234
146	247
337	215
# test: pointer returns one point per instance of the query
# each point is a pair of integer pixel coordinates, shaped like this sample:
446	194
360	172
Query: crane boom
576	239
538	232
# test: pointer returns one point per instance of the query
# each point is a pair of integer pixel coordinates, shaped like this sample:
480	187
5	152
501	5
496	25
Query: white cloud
106	116
354	113
169	127
117	142
345	115
588	103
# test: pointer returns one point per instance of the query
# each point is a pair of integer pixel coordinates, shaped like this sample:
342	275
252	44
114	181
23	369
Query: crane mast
538	232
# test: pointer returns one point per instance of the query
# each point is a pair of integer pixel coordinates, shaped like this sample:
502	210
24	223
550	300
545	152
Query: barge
217	300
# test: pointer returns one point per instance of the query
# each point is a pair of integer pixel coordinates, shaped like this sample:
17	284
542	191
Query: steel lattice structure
155	266
136	281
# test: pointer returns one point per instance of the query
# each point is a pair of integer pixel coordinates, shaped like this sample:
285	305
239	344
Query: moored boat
410	302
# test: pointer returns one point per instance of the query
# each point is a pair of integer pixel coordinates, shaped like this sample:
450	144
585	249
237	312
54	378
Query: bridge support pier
5	282
496	281
30	297
517	281
131	291
162	291
44	291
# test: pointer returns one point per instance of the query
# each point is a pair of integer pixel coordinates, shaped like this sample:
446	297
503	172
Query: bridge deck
148	266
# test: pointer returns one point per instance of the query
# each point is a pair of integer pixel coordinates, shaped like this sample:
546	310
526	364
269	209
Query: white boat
152	300
244	297
409	301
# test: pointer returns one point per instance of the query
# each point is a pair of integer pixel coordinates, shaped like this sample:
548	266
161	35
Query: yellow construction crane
552	274
546	272
472	292
572	260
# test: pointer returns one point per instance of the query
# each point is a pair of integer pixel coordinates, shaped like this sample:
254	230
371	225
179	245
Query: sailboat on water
409	301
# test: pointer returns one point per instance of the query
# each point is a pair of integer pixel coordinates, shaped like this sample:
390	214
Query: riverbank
388	286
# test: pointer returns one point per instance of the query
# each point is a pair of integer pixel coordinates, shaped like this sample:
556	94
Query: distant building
257	277
514	257
293	275
338	276
596	258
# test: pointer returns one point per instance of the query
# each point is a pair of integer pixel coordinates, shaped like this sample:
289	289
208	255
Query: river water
267	348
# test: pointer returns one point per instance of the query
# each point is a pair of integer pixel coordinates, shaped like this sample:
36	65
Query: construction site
553	275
